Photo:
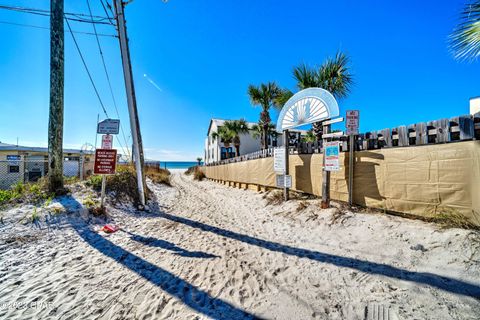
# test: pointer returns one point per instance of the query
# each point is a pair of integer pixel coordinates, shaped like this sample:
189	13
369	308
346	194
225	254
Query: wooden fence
461	128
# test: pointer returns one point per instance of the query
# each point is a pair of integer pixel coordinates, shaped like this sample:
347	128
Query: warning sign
332	151
105	161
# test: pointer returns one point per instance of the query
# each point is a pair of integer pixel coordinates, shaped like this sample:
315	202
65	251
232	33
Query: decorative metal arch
307	106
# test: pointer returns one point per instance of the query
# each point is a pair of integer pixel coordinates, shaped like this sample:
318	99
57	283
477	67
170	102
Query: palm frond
305	77
465	39
334	75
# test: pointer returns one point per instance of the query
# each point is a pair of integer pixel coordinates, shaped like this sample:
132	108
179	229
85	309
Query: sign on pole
105	161
279	160
108	126
283	181
352	121
107	141
332	151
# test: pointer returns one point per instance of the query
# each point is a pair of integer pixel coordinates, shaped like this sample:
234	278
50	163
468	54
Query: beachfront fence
425	169
16	169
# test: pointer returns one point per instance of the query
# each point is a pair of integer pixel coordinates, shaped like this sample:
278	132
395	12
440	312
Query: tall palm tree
465	39
309	137
333	75
266	96
236	128
199	160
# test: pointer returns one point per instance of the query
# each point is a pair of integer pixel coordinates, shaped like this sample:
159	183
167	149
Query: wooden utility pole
132	102
325	175
55	122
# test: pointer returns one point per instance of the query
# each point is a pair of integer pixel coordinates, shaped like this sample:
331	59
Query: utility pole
55	122
132	102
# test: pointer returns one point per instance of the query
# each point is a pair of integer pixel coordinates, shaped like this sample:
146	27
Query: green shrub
159	175
95	182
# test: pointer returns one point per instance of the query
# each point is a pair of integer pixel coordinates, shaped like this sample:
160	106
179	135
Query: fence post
325	176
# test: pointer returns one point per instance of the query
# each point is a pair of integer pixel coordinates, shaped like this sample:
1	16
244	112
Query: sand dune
210	251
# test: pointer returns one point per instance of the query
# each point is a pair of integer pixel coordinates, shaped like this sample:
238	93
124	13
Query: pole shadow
190	295
441	282
159	243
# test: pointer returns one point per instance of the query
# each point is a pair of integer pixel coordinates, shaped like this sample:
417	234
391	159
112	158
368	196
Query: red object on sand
110	228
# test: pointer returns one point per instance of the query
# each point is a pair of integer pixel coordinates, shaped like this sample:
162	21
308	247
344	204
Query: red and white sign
352	121
105	161
107	141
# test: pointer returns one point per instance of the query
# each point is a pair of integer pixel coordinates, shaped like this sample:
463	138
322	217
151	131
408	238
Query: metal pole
325	175
132	103
351	155
286	142
55	123
102	197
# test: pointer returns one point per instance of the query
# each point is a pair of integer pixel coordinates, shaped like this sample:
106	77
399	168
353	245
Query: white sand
210	251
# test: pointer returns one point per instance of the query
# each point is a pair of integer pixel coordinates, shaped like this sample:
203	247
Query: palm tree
333	75
309	137
257	131
236	128
224	135
266	96
199	160
465	39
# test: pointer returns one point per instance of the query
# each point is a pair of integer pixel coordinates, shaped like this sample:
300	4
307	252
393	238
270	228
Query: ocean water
177	164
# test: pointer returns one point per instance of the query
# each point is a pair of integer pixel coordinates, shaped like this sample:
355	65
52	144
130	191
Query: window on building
13	169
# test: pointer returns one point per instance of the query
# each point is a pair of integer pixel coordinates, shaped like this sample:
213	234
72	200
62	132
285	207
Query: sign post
286	140
352	124
310	105
105	163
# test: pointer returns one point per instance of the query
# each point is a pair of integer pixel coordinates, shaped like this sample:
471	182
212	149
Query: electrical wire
48	28
90	76
108	78
68	15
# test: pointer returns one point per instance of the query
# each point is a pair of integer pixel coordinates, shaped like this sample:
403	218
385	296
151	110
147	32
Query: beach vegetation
198	174
25	193
465	39
199	161
224	135
159	175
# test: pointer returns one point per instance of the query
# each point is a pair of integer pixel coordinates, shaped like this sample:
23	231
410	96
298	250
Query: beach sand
210	251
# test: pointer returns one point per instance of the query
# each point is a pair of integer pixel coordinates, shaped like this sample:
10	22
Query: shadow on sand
154	242
190	295
444	283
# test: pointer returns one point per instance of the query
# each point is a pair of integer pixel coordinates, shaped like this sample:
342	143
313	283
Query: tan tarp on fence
422	180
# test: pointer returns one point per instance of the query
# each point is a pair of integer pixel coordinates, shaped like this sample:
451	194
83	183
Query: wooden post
326	175
351	156
286	142
55	121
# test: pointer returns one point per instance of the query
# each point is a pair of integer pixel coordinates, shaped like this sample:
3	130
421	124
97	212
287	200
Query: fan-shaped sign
307	106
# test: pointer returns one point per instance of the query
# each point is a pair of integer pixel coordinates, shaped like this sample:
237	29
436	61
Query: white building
215	150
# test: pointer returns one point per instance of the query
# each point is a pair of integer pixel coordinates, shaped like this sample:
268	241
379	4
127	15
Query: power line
69	16
90	76
48	28
108	77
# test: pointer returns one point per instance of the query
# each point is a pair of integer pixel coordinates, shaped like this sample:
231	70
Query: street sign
279	160
105	161
107	141
283	181
108	126
352	121
13	160
332	151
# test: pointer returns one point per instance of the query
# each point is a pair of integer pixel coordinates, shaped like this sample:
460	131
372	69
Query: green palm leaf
465	39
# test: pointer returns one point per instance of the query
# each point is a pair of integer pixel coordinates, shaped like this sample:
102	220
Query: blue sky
202	55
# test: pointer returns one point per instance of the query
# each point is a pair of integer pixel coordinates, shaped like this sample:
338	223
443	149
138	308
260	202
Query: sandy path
210	251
